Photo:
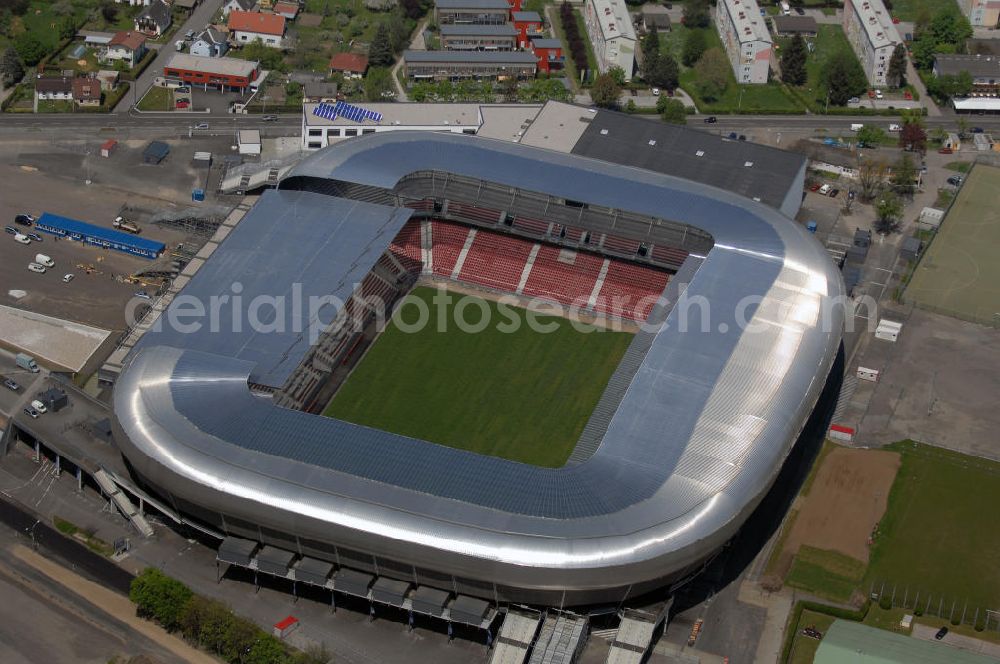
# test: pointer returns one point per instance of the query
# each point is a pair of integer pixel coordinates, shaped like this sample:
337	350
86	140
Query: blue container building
98	236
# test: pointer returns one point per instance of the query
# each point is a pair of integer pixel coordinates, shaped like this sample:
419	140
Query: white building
611	33
318	132
746	39
872	35
981	13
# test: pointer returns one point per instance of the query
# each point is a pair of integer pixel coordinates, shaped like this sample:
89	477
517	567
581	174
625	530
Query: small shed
862	238
155	152
911	248
352	582
285	626
930	218
108	146
313	571
249	141
237	551
272	560
888	330
469	610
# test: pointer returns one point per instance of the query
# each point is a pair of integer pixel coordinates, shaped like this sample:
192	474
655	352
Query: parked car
825	190
31	412
183	90
711	119
35	267
23	239
815	187
732	135
11	384
878	94
941	633
34	236
895	127
182	104
201	125
977	130
854	100
955	180
142	295
269	118
39	406
69	277
189	34
945	151
800	11
656	92
834	193
742	137
10	229
24	219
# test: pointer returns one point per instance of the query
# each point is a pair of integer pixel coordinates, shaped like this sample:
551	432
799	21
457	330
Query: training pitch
959	274
523	395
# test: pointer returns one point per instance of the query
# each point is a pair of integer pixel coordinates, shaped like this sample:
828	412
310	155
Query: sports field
959	274
939	534
520	394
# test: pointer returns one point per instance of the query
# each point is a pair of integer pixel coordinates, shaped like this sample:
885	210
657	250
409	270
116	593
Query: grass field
522	395
959	274
939	534
828	573
157	99
906	10
804	648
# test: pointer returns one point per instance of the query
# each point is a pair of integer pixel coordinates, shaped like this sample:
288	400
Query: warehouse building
854	643
98	236
224	73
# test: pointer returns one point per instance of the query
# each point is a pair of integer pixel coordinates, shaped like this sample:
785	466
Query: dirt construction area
846	498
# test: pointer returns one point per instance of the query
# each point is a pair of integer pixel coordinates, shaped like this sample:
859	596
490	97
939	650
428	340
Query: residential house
224	73
747	42
528	25
489	12
984	70
154	19
237	5
109	79
871	33
87	91
249	27
549	53
789	26
210	43
981	13
449	65
611	33
318	92
53	89
127	46
134	3
473	37
287	9
655	15
351	65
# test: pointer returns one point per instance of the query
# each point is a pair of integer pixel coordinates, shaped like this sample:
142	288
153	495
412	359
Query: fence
922	602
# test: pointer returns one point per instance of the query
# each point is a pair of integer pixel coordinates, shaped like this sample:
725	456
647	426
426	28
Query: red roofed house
248	27
287	9
528	25
549	53
351	65
87	91
127	46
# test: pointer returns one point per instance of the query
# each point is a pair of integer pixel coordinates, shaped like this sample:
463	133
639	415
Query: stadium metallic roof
697	438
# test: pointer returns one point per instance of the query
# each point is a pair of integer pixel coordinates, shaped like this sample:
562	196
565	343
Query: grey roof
158	12
983	46
542	42
978	66
319	89
783	24
478	57
54	84
478	30
624	139
526	16
157	149
290	240
472	4
210	36
696	441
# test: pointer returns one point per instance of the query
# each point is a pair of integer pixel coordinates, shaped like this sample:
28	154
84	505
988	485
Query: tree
694	47
11	69
508	89
380	49
30	49
238	639
618	74
913	137
672	110
266	650
844	78
605	91
109	11
896	74
666	74
712	72
695	14
870	136
904	174
888	211
948	86
871	178
793	62
378	84
486	92
650	51
158	596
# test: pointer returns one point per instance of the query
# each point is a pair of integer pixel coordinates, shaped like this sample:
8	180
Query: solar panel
345	110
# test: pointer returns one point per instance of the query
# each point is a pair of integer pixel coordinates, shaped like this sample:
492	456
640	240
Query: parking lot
97	298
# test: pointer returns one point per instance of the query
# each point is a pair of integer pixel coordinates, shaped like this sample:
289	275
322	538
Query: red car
815	187
945	151
182	104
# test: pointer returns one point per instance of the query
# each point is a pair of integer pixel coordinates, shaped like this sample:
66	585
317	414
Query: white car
39	406
878	94
68	278
895	127
825	190
656	92
22	238
35	267
201	125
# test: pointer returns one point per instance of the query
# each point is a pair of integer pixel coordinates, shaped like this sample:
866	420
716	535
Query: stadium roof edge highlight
696	442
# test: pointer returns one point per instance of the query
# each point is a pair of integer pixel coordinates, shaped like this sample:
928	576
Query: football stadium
479	372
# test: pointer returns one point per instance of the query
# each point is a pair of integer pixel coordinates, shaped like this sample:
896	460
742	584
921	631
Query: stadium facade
689	435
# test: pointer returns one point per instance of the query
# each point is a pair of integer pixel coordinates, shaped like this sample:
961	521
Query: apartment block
745	37
872	35
612	34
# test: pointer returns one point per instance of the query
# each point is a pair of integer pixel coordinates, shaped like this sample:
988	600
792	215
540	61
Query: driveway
925	633
199	18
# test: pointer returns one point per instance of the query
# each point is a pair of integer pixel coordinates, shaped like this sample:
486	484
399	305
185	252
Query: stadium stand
448	240
669	255
496	261
406	247
533	226
563	281
620	245
630	291
473	213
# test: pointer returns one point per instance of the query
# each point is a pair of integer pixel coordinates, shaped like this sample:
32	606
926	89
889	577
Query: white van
42	259
786	10
857	126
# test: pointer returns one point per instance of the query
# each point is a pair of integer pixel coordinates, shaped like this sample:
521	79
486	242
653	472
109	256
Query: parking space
217	102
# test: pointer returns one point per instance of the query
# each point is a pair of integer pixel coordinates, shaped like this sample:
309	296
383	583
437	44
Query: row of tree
211	624
534	91
659	67
577	47
391	36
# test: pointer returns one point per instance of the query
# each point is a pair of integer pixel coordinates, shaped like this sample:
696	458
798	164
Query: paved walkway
926	633
778	606
112	603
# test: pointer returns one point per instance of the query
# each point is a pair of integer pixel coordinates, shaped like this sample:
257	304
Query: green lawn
55	106
939	534
520	395
157	99
828	574
829	40
906	10
803	647
960	166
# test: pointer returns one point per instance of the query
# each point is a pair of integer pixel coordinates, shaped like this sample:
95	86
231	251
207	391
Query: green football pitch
523	395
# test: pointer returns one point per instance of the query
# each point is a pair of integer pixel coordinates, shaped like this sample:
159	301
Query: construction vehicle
123	224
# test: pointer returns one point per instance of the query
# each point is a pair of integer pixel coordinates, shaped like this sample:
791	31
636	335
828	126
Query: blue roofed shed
99	236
